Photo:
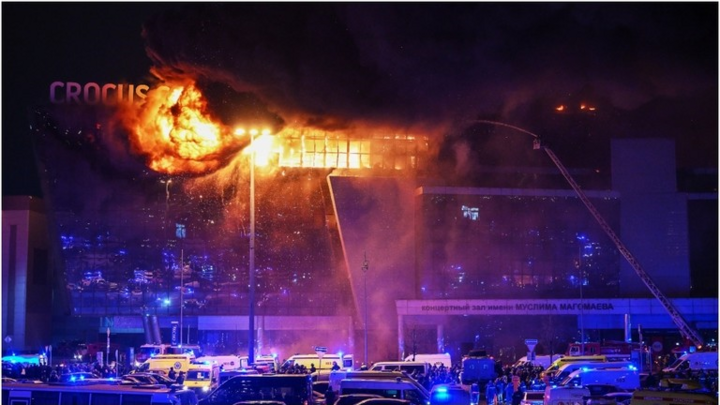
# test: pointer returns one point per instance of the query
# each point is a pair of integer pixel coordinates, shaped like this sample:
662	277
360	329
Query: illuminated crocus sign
94	93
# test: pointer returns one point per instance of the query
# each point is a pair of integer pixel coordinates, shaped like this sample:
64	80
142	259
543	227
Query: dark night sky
651	68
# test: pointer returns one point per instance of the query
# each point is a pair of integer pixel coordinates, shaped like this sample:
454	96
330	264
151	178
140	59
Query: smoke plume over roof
430	67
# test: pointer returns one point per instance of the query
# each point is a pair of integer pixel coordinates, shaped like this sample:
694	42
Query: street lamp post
582	315
251	259
365	268
251	265
581	276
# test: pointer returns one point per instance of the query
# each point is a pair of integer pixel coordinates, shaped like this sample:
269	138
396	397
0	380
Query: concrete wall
653	216
27	277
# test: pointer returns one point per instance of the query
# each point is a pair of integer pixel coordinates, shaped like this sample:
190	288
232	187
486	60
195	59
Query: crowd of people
47	373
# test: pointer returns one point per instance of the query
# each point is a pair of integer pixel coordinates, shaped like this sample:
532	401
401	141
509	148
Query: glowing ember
176	134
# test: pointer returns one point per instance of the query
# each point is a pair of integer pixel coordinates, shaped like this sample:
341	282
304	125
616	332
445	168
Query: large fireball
176	134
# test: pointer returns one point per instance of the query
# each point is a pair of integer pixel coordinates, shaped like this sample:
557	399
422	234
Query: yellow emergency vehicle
202	377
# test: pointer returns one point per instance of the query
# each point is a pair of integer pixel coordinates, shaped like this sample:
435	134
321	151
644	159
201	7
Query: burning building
150	215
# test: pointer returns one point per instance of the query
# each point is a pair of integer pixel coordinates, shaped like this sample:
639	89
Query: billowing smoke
422	67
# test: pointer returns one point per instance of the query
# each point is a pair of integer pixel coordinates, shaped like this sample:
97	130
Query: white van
267	363
623	378
566	369
400	388
227	363
434	359
345	361
409	367
694	362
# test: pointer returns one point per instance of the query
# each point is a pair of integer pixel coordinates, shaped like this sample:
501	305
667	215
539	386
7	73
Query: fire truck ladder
688	332
685	329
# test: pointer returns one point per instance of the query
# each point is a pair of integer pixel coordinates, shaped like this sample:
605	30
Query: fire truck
610	348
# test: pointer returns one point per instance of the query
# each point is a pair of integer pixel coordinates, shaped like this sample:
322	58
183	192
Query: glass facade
513	245
131	241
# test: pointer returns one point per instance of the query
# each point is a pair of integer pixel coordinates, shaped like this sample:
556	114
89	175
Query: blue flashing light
632	367
441	394
166	301
340	354
584	369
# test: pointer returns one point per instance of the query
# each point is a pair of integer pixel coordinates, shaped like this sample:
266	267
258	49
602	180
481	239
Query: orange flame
177	135
560	108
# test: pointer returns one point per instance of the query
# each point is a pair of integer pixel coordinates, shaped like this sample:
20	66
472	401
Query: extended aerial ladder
685	329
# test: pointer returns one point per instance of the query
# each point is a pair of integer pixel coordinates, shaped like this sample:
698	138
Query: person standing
171	373
490	394
509	393
499	389
518	392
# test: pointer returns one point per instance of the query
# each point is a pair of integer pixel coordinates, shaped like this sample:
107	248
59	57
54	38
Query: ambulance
202	377
344	361
162	363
